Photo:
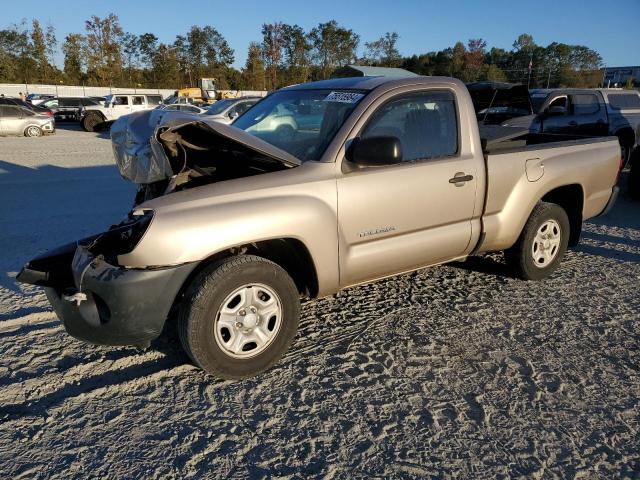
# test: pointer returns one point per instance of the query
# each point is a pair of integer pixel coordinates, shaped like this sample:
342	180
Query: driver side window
426	124
558	104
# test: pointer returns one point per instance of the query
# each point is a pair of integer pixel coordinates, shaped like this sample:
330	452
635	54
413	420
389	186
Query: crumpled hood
137	141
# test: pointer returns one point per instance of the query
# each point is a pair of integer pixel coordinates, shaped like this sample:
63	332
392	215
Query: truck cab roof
369	83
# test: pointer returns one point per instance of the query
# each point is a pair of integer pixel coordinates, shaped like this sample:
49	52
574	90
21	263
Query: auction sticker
343	97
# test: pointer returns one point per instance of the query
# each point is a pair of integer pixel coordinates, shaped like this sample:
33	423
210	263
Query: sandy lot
458	371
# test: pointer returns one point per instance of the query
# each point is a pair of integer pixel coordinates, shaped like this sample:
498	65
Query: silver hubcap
546	243
33	132
248	320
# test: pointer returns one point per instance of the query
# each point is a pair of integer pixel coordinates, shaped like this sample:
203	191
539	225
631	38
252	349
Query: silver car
226	111
16	120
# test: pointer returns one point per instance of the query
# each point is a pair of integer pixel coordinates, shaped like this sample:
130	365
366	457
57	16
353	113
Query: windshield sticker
343	97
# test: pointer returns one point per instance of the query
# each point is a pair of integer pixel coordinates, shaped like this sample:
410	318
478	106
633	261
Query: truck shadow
104	132
491	264
167	344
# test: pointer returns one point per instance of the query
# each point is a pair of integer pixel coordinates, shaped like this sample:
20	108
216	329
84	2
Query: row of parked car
37	115
94	117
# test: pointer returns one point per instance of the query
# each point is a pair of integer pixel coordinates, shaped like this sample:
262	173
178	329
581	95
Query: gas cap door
534	168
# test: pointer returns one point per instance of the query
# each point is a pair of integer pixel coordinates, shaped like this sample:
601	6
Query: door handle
459	179
573	124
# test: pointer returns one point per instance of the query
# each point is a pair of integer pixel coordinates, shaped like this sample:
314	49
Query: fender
192	225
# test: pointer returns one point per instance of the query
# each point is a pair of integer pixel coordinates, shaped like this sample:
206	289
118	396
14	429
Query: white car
93	117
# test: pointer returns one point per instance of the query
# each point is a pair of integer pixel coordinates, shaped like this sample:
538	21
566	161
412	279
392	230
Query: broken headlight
121	238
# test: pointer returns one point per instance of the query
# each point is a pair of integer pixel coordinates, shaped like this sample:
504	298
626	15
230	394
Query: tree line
105	55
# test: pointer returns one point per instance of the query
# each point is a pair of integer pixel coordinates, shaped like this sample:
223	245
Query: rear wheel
91	121
33	131
239	317
542	243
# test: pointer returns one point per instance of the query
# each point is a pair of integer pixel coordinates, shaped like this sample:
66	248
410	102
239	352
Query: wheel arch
98	113
289	253
571	199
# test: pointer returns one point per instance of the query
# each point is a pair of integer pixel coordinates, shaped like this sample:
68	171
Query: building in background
619	76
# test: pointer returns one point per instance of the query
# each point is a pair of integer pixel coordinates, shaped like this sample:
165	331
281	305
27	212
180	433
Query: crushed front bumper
105	304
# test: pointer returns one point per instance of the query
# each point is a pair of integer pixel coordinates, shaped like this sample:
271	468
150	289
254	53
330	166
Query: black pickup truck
574	112
590	112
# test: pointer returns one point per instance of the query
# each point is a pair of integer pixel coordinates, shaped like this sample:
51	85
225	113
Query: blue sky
422	25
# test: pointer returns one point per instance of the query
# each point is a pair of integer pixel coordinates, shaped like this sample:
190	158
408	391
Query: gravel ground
456	371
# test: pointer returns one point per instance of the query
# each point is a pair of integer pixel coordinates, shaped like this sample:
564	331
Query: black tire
633	182
33	131
205	295
91	122
520	257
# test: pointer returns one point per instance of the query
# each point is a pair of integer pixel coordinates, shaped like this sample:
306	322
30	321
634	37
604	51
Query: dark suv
68	108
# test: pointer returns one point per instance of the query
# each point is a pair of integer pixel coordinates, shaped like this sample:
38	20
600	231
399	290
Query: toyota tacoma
233	225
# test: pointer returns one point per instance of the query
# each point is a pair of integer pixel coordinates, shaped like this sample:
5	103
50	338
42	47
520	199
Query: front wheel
33	131
91	122
542	243
239	317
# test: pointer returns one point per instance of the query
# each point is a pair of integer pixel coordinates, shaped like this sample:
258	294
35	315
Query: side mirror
555	111
233	115
375	151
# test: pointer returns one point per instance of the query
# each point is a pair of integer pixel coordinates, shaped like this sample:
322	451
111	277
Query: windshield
300	122
537	99
218	107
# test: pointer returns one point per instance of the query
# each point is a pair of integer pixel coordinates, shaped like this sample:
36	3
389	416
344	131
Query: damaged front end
168	152
97	299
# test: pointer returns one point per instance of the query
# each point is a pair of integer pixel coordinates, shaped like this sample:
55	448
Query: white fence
14	89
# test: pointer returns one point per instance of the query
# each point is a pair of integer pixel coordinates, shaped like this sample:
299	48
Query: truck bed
521	169
501	139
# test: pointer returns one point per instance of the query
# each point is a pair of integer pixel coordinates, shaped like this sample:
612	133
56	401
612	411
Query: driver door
11	120
556	117
399	217
120	106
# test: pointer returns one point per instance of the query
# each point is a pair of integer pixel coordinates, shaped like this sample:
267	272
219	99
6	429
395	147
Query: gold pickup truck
316	188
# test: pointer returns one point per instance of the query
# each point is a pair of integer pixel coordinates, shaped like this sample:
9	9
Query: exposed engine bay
167	152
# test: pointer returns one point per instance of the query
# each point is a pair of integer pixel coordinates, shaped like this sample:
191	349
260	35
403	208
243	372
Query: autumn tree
333	46
253	72
104	55
383	52
166	65
474	59
130	47
39	50
73	49
51	47
272	45
297	51
457	60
